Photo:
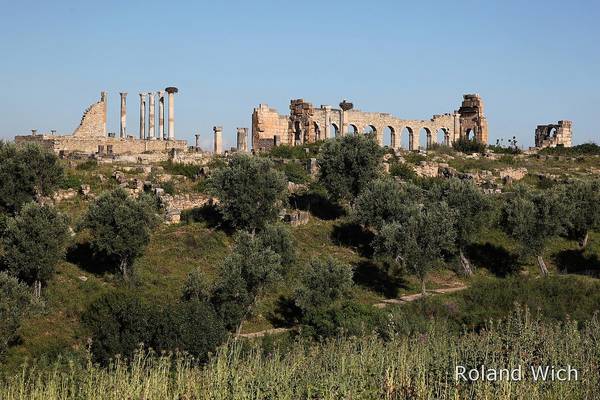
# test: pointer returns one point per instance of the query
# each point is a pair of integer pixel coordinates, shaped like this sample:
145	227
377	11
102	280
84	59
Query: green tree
384	200
251	192
244	275
419	241
472	208
120	227
533	217
27	172
33	243
323	283
348	164
278	238
582	198
15	301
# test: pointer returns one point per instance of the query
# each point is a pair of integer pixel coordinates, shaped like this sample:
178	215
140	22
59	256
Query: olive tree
120	227
533	217
15	301
348	164
583	201
27	172
418	241
33	243
472	208
250	191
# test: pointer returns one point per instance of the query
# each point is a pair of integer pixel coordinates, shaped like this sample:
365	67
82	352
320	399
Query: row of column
150	96
242	140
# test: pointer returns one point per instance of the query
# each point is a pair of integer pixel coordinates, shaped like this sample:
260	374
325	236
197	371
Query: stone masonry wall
93	122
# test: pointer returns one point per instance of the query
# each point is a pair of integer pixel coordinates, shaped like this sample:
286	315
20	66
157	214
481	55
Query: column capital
123	94
218	129
142	94
161	93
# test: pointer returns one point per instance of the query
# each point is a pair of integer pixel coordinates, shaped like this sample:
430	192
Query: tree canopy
348	164
250	191
27	172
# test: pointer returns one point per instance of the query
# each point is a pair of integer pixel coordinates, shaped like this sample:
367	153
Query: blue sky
533	62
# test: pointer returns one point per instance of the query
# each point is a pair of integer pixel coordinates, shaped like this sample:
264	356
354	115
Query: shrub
15	301
295	172
26	172
87	165
348	318
189	170
469	146
70	182
579	150
33	243
403	171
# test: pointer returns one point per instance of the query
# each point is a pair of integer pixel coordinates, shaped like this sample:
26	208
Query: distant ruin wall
307	124
93	121
553	135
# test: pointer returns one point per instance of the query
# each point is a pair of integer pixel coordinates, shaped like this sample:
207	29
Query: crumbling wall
553	135
267	124
472	118
93	121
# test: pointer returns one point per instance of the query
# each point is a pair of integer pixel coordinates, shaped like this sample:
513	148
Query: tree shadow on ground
353	235
577	262
494	258
286	314
82	255
378	278
209	214
317	204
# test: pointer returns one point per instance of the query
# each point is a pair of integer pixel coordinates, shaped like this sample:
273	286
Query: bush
189	170
586	149
121	323
70	182
15	301
469	146
33	243
26	172
295	172
87	165
348	319
403	171
295	152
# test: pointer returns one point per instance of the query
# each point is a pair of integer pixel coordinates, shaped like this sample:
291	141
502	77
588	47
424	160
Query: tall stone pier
151	116
197	147
123	130
161	114
142	116
242	144
171	91
218	149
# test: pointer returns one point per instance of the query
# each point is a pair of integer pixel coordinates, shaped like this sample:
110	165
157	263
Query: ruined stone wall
307	124
266	124
472	119
553	135
94	145
93	121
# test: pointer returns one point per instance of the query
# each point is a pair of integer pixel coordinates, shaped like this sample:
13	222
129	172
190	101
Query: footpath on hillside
384	303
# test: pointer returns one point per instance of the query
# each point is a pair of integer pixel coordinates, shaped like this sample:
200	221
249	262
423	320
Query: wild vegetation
99	300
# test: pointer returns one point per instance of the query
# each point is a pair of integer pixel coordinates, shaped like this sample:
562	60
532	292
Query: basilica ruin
308	124
91	137
553	135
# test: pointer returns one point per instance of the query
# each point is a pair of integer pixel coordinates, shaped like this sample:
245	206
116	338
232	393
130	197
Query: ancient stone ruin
307	124
90	136
553	135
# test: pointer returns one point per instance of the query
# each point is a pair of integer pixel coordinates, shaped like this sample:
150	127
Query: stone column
242	144
123	131
142	116
171	91
151	116
456	134
327	129
345	106
197	135
161	114
218	145
104	100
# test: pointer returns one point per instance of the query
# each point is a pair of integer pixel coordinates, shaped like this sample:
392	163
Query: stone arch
389	137
552	132
370	129
406	138
442	137
298	134
470	134
317	131
334	129
424	138
352	129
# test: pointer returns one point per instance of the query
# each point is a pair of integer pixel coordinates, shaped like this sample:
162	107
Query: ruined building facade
90	136
307	124
553	135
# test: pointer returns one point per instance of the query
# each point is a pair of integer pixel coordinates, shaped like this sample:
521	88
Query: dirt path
384	303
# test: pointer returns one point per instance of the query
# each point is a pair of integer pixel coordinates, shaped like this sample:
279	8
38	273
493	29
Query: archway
470	134
370	130
424	138
406	137
297	133
552	132
317	131
441	137
389	137
352	129
334	130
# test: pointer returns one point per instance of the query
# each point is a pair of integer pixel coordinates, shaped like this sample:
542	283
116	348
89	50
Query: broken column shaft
161	114
151	116
123	131
171	91
218	145
142	116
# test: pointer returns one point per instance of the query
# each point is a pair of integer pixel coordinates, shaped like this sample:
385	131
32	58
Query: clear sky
533	62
